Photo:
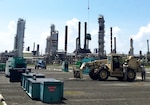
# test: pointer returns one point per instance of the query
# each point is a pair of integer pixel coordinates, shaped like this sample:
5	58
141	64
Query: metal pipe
85	32
79	33
66	35
114	44
131	43
131	47
148	46
33	46
111	40
38	47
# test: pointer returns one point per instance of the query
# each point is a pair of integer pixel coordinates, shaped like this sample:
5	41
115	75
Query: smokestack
147	46
85	31
79	35
131	47
66	35
33	46
114	44
111	40
140	52
28	48
37	50
131	43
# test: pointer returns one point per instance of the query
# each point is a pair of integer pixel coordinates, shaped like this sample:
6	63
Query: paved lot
83	92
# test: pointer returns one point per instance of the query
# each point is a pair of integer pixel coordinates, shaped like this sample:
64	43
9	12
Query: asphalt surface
82	92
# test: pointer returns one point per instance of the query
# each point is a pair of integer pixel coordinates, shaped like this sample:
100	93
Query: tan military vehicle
114	66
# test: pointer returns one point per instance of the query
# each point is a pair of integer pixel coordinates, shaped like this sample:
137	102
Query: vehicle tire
130	75
103	74
93	75
35	67
77	74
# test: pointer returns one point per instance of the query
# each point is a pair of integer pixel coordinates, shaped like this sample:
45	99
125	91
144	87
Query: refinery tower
19	38
52	41
101	35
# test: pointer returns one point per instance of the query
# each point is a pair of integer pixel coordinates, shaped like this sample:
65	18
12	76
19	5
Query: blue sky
129	19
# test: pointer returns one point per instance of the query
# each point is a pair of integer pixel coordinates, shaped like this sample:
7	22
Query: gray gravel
82	92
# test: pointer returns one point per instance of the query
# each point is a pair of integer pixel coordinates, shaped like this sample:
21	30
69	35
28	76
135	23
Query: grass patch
147	66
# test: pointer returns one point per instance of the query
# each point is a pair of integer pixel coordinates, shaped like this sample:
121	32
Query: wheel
93	75
76	74
103	74
35	67
130	75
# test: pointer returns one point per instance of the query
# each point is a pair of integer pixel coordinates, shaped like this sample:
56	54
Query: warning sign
51	88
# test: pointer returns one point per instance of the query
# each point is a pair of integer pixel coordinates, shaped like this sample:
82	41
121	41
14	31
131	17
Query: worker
125	66
143	73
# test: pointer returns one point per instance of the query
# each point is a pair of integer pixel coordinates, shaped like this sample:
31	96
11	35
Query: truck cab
115	65
40	64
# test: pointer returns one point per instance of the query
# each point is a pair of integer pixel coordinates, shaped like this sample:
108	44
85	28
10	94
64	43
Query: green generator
2	67
15	66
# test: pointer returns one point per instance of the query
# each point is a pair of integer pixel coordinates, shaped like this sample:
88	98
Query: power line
88	15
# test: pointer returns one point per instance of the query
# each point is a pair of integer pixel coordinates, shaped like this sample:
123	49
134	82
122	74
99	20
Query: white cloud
120	43
144	31
61	41
93	43
42	41
116	31
7	37
140	39
11	27
94	32
72	34
123	45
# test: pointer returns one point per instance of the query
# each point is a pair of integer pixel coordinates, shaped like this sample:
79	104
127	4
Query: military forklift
114	66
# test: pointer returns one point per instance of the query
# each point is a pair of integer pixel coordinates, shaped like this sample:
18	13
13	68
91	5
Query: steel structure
101	35
52	41
19	38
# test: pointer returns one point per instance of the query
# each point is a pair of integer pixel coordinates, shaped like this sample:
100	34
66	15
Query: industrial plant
18	43
98	65
54	55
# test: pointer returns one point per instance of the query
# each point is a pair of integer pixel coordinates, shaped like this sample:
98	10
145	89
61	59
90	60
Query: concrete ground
82	92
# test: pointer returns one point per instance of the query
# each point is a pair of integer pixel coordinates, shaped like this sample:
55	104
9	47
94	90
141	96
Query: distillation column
19	38
101	41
